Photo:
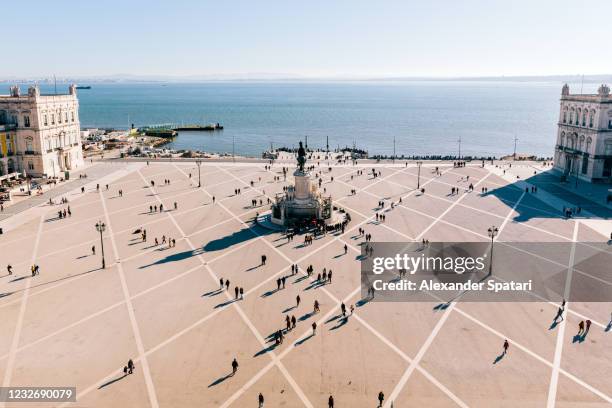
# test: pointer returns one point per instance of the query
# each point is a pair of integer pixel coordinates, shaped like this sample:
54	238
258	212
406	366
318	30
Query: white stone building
584	137
47	131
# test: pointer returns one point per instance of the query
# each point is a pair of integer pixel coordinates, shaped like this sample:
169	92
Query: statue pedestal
303	205
302	191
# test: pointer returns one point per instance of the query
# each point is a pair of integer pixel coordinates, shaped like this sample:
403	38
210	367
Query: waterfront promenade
76	324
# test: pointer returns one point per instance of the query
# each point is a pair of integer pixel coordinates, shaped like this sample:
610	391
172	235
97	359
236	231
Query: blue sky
309	38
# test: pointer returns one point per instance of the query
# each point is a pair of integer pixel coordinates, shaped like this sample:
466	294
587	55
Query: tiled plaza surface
76	324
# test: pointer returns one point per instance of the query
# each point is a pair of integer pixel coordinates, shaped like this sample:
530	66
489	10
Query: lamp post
100	227
419	163
199	164
493	231
459	141
576	165
514	154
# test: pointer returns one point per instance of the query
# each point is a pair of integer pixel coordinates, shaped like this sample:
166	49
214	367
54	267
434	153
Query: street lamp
100	227
419	163
576	165
493	231
459	141
199	163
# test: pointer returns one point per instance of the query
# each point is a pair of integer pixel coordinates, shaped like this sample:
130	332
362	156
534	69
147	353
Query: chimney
15	91
565	90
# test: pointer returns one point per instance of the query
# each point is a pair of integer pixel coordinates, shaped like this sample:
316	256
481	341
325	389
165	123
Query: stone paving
77	324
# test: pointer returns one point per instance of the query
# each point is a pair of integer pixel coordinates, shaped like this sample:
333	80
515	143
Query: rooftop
602	95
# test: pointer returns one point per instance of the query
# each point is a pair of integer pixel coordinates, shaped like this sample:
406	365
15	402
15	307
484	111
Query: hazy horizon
272	77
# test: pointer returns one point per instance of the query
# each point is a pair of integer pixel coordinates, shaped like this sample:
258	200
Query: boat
83	87
195	127
165	133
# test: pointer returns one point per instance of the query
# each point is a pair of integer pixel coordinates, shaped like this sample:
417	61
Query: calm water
425	117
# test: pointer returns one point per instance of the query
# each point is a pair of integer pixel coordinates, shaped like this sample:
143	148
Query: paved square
76	324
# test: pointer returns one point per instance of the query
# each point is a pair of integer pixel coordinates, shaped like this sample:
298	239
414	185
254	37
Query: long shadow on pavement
114	380
220	244
220	380
304	340
499	358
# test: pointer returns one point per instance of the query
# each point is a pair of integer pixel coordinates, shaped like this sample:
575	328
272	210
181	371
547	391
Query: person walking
330	402
580	327
9	269
506	346
381	398
263	259
293	321
241	292
220	283
130	366
260	399
234	366
314	328
297	301
236	292
343	309
93	249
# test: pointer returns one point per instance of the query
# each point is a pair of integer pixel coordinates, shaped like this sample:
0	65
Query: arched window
578	116
584	114
562	140
588	144
591	118
581	143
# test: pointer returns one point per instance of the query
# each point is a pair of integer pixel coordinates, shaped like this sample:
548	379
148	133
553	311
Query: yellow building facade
7	150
